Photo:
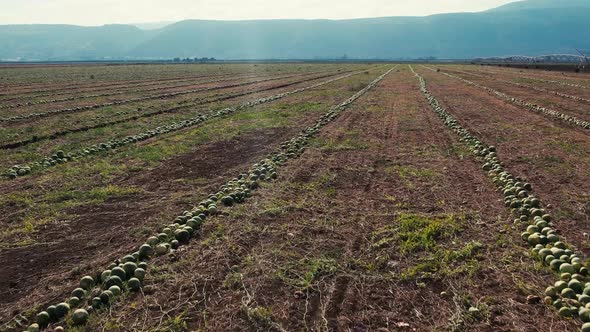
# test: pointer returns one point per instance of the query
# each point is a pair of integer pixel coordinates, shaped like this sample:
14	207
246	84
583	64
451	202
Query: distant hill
152	25
55	42
531	27
542	4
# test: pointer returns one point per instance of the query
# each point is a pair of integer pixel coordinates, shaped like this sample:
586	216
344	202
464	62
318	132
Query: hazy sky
98	12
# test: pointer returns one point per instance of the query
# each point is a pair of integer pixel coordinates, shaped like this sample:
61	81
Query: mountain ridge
541	4
531	27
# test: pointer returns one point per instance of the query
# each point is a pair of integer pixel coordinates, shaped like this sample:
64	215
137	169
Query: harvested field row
47	77
43	127
184	106
121	90
569	119
554	158
61	157
74	89
569	295
527	86
560	78
135	100
55	79
40	192
568	90
107	91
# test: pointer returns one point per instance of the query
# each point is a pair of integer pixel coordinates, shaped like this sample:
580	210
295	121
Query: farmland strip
108	85
520	103
119	92
134	100
62	133
574	85
568	297
133	268
146	82
558	82
61	157
532	87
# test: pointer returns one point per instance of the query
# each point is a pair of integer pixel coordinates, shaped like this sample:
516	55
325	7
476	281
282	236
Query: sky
98	12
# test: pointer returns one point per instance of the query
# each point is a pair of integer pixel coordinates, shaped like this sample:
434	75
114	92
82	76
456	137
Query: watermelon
116	290
119	272
146	250
33	328
43	318
139	274
79	293
129	268
74	302
80	317
114	281
134	284
62	309
86	282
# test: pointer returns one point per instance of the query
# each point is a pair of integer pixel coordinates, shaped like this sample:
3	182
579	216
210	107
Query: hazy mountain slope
68	41
534	31
542	4
529	27
152	25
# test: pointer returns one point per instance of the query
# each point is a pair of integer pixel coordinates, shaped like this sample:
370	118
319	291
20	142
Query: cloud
98	12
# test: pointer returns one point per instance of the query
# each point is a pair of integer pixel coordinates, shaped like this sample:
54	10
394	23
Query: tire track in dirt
325	315
341	296
324	308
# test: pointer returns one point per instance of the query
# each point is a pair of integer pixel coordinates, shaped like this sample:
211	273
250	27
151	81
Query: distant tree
176	60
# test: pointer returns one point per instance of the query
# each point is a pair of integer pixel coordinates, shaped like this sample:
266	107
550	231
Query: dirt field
333	197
